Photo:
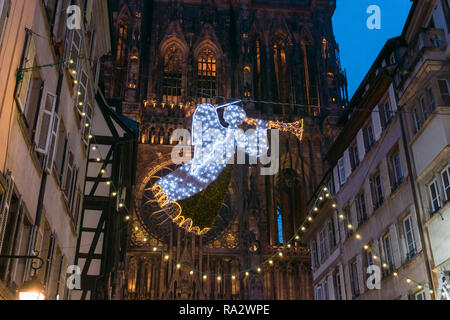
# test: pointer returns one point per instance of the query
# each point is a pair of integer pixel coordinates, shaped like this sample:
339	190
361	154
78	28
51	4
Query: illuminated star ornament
215	146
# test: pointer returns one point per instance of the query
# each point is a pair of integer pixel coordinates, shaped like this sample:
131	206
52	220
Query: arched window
280	225
258	69
121	43
280	68
207	74
173	72
161	136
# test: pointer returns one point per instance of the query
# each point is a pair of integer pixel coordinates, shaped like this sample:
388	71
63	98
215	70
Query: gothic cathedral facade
281	59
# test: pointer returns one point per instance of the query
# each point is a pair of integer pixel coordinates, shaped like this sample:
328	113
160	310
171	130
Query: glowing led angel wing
208	139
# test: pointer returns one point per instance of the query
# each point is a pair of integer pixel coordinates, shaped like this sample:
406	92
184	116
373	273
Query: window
445	174
337	285
74	44
361	210
331	234
258	74
354	279
377	191
354	156
325	289
341	170
410	241
319	292
348	231
424	107
416	119
323	244
368	262
33	103
388	255
70	180
386	114
314	254
8	220
435	196
420	295
369	137
207	74
61	149
280	225
5	6
396	170
47	122
445	92
173	66
86	124
121	43
431	99
280	68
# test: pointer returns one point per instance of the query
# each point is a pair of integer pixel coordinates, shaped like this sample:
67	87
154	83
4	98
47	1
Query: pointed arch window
280	67
121	43
258	69
173	66
280	225
207	74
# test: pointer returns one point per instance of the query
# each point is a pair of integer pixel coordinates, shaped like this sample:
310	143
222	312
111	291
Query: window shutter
73	188
50	257
395	246
68	174
24	78
77	209
361	146
53	143
45	121
376	123
337	183
5	208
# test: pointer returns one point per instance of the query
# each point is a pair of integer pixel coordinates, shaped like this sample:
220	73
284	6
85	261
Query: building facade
49	78
390	178
280	58
424	94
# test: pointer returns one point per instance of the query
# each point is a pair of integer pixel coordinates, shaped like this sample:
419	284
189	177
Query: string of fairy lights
324	195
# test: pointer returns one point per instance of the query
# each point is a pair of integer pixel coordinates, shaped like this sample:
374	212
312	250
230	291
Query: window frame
434	207
354	280
388	254
446	188
341	171
410	252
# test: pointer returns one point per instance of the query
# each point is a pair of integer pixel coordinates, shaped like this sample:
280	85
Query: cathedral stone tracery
171	56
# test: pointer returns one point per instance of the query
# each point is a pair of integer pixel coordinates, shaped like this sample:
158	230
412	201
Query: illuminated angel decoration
215	146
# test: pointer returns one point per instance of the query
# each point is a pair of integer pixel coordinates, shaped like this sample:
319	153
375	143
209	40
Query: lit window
207	74
280	225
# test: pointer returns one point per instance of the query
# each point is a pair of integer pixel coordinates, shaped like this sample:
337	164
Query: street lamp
31	289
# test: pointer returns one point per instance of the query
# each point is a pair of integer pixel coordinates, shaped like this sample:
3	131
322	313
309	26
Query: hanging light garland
323	196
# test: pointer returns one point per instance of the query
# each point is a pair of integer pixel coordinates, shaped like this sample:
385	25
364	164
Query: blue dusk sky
360	46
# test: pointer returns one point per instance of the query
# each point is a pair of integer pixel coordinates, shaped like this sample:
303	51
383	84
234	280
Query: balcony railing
411	254
397	184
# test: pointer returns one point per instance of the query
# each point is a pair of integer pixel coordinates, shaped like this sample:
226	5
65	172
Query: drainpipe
416	200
